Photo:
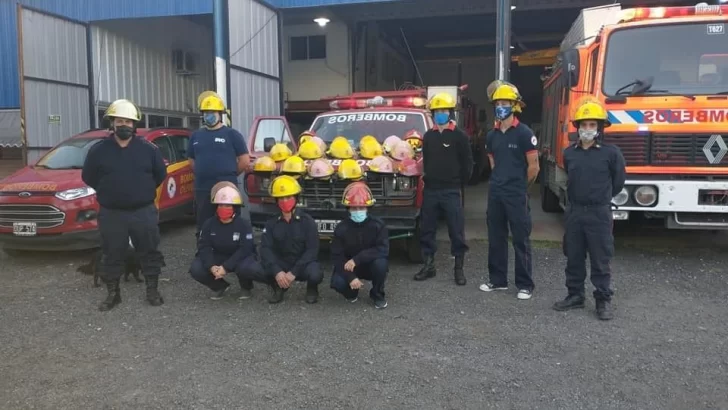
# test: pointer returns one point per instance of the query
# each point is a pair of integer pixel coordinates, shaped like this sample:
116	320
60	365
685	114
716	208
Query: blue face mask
503	112
210	119
442	118
358	216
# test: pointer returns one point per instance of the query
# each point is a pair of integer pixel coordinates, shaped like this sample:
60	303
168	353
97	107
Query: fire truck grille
671	149
327	194
44	216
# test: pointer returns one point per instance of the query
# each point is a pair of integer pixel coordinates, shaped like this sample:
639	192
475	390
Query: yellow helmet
280	152
370	149
341	149
350	169
123	109
591	110
442	101
508	92
305	136
284	185
212	103
366	138
264	164
310	150
294	165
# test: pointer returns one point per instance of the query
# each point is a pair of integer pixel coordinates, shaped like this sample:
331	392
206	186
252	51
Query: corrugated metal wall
9	87
255	73
133	59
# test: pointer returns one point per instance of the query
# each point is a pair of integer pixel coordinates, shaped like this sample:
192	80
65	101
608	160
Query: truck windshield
378	124
683	59
69	155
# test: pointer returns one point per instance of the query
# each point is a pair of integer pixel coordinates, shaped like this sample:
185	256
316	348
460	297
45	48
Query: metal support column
503	40
220	34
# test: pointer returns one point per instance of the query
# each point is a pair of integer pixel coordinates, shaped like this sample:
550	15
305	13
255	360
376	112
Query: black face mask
124	132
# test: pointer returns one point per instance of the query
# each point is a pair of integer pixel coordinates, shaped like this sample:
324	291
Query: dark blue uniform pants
589	230
247	271
448	201
311	274
116	227
512	211
204	209
375	271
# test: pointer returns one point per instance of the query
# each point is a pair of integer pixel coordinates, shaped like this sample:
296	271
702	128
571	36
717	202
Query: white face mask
588	135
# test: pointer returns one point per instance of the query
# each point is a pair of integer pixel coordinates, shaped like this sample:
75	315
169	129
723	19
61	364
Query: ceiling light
512	47
322	21
513	7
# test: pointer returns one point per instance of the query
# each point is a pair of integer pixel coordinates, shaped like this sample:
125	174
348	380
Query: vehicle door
163	201
268	131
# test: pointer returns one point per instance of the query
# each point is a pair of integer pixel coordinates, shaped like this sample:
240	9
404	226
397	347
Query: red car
46	206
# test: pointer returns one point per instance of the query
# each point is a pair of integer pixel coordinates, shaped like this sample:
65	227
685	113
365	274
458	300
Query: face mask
442	118
358	216
588	135
124	132
210	119
287	205
503	112
225	213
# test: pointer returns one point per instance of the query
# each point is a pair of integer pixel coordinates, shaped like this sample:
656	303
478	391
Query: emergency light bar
647	13
356	103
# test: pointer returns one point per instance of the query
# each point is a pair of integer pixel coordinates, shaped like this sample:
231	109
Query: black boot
428	270
604	310
153	296
570	302
458	270
113	298
276	295
311	293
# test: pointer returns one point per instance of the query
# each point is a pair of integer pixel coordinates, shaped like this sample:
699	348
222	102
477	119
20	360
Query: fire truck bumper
69	241
401	222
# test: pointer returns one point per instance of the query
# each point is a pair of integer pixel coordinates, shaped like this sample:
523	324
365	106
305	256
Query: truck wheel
549	200
414	252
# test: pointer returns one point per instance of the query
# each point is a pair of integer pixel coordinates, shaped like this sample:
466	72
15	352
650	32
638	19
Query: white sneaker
219	294
489	287
524	294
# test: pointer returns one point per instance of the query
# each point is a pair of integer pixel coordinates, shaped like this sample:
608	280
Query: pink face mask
287	205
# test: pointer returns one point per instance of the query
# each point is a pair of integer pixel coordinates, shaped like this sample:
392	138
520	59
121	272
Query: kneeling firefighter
226	245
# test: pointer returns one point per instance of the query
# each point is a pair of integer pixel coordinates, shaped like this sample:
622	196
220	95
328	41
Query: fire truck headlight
645	195
621	198
75	193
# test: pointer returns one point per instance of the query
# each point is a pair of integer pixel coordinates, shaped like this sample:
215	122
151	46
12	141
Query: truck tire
414	251
549	200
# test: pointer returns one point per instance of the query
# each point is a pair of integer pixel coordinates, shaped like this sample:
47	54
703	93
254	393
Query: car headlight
75	193
621	198
401	186
645	195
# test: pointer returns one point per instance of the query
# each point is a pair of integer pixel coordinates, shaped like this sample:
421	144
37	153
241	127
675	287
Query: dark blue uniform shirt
216	153
596	174
225	244
363	242
509	150
289	246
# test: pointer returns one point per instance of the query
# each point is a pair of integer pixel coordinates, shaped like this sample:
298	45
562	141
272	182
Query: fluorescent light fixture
321	21
513	7
512	47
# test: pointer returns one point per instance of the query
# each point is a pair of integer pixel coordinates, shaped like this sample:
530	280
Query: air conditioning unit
184	62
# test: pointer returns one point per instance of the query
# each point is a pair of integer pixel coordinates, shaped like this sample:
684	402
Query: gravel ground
437	346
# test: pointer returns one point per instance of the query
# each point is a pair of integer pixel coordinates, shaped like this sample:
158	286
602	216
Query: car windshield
378	124
69	155
683	59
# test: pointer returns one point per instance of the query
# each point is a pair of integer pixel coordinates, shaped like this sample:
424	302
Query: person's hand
290	277
221	271
356	284
215	270
350	265
282	280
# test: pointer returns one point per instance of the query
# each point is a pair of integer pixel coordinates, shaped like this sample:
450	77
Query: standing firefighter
513	156
447	163
360	248
290	244
596	174
217	153
126	171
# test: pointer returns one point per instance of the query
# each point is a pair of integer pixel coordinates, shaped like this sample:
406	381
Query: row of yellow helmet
321	168
369	148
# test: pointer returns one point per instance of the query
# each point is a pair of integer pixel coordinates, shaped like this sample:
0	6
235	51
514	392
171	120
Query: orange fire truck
662	74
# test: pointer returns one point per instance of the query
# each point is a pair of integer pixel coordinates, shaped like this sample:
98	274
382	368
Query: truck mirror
268	144
570	61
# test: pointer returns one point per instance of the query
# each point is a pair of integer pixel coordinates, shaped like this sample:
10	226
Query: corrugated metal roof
318	3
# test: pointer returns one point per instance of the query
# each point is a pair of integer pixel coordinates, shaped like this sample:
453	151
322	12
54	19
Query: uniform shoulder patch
534	141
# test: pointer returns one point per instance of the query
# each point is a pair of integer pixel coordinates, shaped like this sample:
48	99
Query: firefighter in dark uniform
596	174
290	244
217	153
360	248
511	148
125	171
226	245
447	165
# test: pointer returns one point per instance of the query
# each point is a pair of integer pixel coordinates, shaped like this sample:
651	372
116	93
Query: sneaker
352	300
219	294
380	303
245	294
524	294
489	287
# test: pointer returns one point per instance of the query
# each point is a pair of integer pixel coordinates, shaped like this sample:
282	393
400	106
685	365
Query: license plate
24	228
326	226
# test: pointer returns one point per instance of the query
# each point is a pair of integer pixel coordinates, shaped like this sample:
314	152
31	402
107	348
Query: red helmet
357	194
409	167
